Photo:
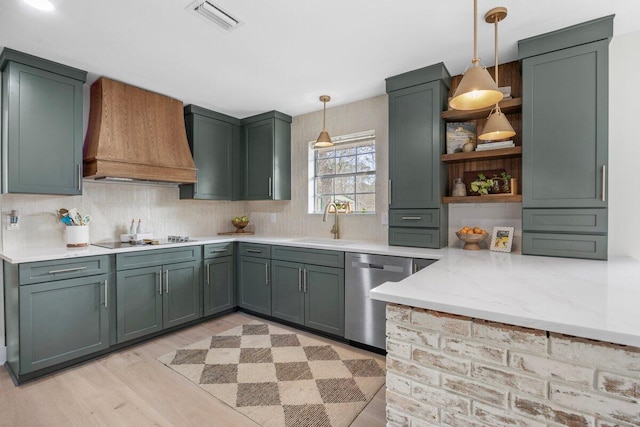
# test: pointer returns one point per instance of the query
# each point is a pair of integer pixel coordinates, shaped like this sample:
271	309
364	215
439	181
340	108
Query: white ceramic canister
77	236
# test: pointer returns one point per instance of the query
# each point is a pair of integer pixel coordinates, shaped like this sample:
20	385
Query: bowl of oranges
472	236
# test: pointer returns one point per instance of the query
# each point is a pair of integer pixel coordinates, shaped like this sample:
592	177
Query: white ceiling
288	52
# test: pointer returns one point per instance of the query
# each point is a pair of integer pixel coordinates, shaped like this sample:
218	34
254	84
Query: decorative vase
459	189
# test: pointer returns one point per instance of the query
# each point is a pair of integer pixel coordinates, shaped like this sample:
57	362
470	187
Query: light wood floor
131	388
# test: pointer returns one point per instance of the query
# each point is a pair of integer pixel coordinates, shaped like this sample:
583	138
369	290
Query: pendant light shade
476	89
324	140
497	127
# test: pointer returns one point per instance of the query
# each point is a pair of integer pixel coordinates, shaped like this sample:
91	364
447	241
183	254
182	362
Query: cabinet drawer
254	250
309	256
565	220
45	271
414	237
565	245
414	217
217	250
150	258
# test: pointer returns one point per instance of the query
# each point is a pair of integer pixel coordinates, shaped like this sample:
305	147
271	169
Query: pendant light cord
475	59
496	47
324	116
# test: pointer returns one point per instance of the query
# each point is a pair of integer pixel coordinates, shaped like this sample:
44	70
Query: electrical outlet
385	218
273	217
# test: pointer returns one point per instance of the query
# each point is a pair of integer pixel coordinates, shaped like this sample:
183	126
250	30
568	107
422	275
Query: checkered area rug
279	378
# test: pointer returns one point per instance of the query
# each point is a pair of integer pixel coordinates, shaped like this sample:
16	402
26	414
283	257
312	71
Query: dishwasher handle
383	267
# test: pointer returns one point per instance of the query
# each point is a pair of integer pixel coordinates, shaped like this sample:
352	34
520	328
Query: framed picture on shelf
458	134
501	239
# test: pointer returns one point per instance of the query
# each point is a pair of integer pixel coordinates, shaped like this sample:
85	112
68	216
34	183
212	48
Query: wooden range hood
136	134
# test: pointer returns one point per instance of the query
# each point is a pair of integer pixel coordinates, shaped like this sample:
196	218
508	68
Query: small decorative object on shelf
472	236
459	189
459	134
501	239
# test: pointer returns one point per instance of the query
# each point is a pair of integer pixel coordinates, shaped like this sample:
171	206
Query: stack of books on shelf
506	92
495	145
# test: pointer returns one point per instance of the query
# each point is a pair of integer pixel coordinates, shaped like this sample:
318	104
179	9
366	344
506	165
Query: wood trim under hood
138	134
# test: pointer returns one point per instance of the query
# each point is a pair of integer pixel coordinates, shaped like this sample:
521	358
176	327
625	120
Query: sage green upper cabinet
565	140
214	140
42	125
267	157
417	180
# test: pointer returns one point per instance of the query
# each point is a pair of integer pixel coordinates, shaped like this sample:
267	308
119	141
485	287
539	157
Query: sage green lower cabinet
308	294
219	285
56	312
254	284
63	320
139	306
287	294
156	297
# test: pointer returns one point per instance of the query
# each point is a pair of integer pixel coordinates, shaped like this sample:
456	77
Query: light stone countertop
590	299
599	300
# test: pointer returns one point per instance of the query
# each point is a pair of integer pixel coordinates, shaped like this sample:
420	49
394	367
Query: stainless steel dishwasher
364	317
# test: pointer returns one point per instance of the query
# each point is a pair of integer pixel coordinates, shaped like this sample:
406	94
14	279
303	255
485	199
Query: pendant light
497	127
324	140
476	89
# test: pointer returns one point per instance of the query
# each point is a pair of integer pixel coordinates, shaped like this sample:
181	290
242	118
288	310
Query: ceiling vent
215	14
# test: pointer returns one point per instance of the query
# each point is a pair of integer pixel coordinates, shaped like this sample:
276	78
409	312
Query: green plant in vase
482	185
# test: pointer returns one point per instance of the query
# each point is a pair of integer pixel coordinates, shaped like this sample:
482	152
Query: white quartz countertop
18	256
591	299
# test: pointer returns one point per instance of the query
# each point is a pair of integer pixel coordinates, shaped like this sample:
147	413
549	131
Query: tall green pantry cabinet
41	125
565	141
417	179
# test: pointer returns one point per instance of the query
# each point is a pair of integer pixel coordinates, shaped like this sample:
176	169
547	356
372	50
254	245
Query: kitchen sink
321	241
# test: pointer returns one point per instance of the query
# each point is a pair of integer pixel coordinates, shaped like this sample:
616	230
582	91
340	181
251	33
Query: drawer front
254	250
148	258
414	237
46	271
565	245
565	220
217	250
414	217
308	256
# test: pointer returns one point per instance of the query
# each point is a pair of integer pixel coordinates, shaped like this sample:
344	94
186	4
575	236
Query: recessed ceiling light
45	5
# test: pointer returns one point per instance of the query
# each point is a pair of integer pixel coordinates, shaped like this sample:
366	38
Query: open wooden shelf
493	198
509	106
482	155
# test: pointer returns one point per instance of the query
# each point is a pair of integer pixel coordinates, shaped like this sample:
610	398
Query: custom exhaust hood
135	134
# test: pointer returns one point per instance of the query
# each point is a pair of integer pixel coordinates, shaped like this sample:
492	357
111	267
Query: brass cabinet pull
106	294
604	183
66	270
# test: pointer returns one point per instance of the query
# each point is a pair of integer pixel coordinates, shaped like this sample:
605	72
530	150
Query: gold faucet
335	230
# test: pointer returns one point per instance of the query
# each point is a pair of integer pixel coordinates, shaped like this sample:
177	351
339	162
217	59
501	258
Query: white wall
624	145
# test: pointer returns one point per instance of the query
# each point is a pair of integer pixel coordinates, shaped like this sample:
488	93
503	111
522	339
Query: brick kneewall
446	370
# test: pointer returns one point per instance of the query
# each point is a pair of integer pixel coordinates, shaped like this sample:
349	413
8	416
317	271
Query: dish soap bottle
139	229
132	228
